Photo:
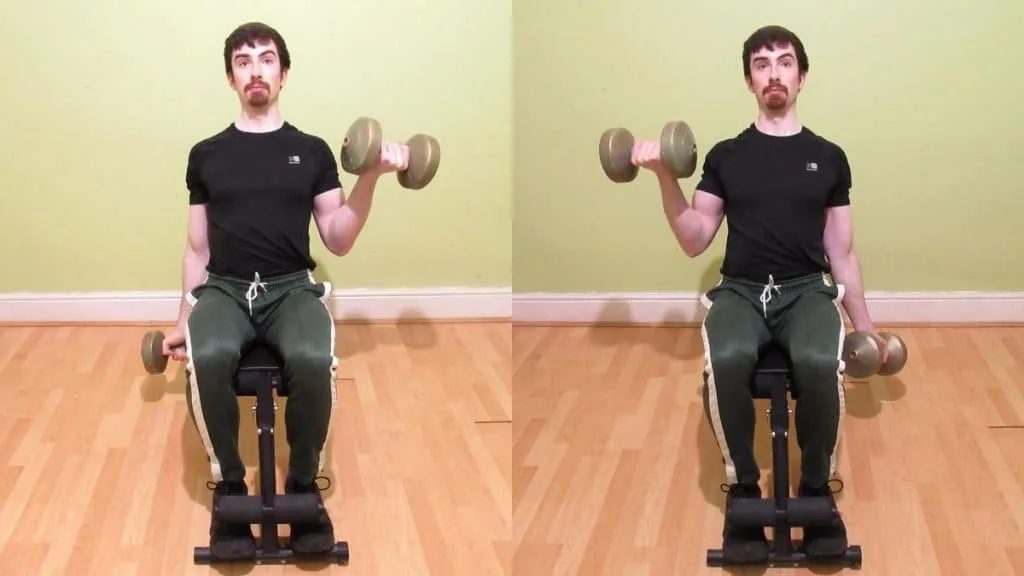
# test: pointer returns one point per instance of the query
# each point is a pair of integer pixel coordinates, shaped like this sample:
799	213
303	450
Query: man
247	275
785	193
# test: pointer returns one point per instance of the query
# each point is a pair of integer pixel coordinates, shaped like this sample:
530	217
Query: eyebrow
260	55
780	57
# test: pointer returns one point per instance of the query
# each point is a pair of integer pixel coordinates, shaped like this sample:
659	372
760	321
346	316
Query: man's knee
733	361
213	357
308	365
816	370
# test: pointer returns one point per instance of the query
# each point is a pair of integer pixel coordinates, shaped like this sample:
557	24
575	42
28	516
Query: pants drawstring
766	294
253	291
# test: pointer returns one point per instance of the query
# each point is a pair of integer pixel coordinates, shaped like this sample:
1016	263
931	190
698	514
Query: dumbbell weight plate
616	152
360	150
153	358
897	351
679	149
862	354
424	158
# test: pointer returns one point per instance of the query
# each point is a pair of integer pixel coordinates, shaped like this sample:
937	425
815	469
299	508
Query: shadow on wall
615	323
414	329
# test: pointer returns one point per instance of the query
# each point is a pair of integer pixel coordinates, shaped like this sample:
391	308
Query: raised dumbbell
360	151
863	352
678	152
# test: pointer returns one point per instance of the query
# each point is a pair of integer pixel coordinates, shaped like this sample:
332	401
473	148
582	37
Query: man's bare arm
339	220
194	260
838	242
694	225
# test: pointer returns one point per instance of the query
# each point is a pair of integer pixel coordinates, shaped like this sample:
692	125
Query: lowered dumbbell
153	358
678	152
863	353
360	151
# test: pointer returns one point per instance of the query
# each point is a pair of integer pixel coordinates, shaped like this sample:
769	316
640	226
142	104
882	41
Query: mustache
771	87
257	85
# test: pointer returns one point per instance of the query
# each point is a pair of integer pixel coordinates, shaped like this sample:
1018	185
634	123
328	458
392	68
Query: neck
778	123
265	119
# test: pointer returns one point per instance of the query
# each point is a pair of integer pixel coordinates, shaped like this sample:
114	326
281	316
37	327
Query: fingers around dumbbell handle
675	151
424	160
863	354
896	349
622	155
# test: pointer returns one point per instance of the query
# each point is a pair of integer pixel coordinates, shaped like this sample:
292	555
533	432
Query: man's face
256	74
775	78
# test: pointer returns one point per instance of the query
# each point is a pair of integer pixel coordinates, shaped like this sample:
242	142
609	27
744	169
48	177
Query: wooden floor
616	472
102	473
613	470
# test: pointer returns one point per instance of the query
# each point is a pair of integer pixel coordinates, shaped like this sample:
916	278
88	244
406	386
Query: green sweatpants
802	316
289	315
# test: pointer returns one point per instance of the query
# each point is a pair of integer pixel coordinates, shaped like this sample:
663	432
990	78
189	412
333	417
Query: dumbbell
153	358
678	152
863	351
360	151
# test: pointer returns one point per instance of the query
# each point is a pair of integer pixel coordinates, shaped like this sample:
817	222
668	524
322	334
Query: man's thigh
301	328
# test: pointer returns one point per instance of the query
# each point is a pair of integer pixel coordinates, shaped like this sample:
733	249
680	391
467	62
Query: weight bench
259	375
781	512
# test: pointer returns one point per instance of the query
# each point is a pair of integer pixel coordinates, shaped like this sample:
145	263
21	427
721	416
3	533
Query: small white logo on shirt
293	159
812	166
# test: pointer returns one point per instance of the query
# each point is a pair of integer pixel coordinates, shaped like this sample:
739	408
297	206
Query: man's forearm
846	271
193	270
686	223
348	221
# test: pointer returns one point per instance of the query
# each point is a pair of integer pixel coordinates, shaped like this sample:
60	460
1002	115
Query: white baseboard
346	305
685	307
500	304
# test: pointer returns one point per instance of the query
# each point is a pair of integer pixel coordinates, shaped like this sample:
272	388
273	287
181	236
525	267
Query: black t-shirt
777	190
259	190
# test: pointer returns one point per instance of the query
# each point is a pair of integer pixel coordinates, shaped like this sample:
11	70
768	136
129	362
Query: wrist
370	177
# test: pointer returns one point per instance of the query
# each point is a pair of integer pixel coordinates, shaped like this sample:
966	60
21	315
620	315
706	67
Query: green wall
102	104
924	96
102	101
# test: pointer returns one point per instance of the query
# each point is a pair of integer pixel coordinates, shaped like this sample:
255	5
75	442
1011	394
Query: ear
284	78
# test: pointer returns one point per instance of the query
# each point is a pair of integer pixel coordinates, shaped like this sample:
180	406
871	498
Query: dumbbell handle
655	144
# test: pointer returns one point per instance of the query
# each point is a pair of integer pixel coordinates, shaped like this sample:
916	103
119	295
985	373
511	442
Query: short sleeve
197	190
840	195
711	179
327	176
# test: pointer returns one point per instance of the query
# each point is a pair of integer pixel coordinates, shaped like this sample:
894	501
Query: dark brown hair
253	33
773	37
